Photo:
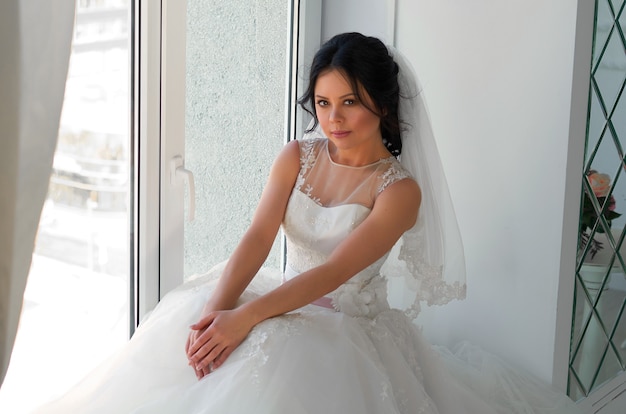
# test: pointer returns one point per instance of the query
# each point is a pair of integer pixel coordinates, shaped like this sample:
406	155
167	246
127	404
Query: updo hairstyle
364	61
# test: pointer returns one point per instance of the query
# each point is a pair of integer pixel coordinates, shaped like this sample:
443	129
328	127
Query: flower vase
592	275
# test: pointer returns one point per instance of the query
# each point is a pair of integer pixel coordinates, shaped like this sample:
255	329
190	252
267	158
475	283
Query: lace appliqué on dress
394	172
258	348
307	160
364	295
423	278
393	330
314	224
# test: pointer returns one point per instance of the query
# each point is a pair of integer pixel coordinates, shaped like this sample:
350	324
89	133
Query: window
105	253
77	298
233	61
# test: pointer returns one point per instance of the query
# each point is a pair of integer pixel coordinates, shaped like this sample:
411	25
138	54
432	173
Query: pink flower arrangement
600	186
600	183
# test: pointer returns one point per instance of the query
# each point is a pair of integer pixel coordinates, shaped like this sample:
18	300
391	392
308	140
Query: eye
349	101
322	102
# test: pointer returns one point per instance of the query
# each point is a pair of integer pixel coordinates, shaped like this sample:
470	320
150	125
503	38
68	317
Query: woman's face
347	122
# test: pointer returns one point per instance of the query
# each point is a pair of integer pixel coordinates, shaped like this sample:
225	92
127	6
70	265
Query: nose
335	115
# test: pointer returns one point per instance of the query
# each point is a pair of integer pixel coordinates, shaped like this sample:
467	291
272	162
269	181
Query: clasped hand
213	338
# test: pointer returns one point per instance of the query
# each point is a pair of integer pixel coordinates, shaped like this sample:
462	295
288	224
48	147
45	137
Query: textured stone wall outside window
235	112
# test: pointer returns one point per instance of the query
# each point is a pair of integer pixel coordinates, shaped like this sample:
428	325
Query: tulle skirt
313	360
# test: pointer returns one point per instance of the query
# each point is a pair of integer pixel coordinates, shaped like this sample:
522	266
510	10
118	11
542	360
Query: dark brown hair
364	61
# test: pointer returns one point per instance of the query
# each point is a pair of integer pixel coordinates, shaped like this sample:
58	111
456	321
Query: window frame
159	131
147	132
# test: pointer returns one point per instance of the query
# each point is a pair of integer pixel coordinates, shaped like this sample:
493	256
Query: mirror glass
598	345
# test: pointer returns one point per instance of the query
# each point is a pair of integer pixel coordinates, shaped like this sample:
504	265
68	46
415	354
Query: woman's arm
255	245
394	212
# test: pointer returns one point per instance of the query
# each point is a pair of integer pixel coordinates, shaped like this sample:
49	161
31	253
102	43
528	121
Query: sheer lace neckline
314	203
331	184
327	150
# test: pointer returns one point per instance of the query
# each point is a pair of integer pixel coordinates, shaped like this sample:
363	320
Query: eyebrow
343	96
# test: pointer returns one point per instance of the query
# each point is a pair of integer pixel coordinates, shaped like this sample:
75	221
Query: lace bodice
328	201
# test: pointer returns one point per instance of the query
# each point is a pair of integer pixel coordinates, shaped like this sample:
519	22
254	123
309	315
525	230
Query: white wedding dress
350	353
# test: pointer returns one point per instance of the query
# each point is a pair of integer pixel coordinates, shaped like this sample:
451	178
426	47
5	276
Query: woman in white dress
321	337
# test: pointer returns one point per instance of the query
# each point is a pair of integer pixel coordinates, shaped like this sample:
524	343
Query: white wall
497	76
370	17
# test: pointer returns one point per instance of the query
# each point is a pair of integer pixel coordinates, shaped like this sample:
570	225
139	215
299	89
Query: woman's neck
358	156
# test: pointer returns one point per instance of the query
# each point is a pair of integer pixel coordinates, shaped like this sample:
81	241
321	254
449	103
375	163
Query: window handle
179	173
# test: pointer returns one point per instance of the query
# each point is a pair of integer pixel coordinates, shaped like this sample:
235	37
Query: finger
206	360
198	349
209	360
222	357
196	371
191	338
196	342
203	351
203	323
200	341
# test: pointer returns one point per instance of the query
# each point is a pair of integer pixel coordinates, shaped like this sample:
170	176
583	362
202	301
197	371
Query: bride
326	335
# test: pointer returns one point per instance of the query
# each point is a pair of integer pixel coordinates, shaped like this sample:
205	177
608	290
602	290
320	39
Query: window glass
77	297
235	118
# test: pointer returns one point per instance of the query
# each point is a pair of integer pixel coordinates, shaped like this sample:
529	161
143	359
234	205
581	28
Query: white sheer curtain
35	43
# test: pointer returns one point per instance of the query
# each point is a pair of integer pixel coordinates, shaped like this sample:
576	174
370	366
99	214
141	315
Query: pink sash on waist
324	301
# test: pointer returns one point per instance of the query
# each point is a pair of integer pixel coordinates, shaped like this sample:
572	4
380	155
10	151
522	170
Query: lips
339	133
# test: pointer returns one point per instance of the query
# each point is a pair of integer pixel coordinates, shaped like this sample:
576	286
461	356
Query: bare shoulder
290	152
293	148
288	160
402	199
406	190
